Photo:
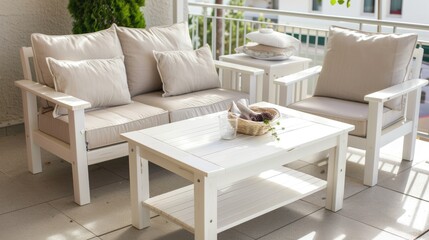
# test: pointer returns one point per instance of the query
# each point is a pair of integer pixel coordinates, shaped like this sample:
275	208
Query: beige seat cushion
192	104
354	113
358	63
138	44
102	127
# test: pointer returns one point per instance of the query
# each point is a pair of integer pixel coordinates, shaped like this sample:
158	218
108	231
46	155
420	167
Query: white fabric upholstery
98	45
350	112
138	45
103	127
192	104
101	82
358	63
186	71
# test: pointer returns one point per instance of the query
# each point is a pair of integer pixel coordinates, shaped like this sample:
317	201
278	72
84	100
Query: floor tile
162	181
159	229
325	224
12	153
118	166
413	182
388	210
162	229
109	208
40	222
425	236
276	219
53	183
297	164
352	186
389	166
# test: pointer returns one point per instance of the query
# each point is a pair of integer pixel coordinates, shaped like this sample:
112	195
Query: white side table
273	70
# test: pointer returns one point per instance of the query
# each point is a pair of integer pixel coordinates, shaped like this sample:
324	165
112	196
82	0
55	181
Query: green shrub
95	15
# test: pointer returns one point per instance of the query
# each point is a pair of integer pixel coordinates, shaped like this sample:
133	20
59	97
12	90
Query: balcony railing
235	27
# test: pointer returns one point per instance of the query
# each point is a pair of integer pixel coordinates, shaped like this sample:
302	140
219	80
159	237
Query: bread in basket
255	128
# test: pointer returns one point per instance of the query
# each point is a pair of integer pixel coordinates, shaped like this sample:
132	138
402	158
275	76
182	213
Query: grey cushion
358	63
350	112
192	104
102	127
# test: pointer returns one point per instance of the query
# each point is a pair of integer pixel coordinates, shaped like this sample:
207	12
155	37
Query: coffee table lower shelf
240	202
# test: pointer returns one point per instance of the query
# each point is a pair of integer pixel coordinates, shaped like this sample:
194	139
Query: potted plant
95	15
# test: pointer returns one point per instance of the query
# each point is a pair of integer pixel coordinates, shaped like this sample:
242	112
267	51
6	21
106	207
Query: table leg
139	187
336	174
205	199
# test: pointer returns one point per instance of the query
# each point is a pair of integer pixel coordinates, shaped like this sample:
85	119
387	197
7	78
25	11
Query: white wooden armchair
378	121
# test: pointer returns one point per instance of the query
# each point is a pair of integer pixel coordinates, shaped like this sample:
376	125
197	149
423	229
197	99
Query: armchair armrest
253	73
240	68
299	76
395	91
47	93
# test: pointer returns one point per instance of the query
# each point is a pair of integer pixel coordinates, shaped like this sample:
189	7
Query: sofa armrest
396	91
240	68
47	93
299	76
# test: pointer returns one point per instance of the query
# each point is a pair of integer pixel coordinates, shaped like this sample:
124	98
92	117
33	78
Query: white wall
159	12
18	19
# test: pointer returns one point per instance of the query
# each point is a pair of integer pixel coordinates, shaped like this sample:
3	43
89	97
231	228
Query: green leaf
349	3
333	2
341	2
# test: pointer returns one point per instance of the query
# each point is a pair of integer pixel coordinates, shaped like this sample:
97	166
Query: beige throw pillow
358	63
186	71
138	45
98	45
264	52
102	82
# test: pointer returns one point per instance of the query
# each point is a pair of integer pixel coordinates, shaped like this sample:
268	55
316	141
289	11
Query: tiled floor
41	206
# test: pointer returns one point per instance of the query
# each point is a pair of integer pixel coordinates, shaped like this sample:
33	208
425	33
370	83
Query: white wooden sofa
353	57
84	136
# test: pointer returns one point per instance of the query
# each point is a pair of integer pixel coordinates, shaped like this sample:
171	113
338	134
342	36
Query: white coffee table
233	180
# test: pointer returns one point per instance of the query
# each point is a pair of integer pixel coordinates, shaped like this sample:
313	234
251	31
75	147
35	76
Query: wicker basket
249	127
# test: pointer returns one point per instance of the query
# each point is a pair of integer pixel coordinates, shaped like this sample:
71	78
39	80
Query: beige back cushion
99	45
138	44
358	63
101	82
186	71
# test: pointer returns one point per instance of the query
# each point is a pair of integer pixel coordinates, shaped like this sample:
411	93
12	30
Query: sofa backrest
138	45
135	44
99	45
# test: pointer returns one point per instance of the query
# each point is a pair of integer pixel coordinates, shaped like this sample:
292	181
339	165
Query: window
396	7
369	6
317	5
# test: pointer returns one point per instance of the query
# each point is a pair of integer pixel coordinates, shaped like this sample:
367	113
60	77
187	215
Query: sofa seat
193	104
104	126
350	112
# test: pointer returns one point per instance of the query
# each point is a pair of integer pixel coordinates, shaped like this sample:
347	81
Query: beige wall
18	19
